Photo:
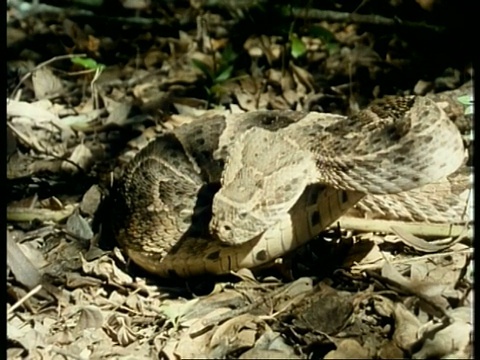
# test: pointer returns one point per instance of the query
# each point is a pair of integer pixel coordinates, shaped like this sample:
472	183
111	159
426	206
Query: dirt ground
91	84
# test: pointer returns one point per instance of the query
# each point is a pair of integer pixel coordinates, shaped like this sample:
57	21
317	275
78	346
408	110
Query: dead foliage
83	98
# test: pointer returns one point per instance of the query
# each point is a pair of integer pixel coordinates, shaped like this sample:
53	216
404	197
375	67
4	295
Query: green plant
299	49
467	101
88	63
219	73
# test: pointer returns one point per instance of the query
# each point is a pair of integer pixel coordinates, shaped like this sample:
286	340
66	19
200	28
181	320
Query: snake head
235	226
258	189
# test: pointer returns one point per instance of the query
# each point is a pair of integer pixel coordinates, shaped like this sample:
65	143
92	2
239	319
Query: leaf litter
71	127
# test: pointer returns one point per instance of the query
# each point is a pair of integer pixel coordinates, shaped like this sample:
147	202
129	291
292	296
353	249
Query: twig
418	229
422	245
45	63
24	215
409	261
336	16
25	9
32	292
440	312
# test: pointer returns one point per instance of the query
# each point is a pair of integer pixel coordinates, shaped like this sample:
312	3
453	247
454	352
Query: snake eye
242	215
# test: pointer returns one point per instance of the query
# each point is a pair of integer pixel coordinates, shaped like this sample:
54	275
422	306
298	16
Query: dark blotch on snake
315	218
214	255
274	120
376	140
427	139
406	148
399	159
425	114
313	196
261	255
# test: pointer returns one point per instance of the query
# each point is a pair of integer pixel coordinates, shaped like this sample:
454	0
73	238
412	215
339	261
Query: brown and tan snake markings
284	175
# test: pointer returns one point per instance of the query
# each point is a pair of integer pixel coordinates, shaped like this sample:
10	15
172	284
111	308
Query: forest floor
89	86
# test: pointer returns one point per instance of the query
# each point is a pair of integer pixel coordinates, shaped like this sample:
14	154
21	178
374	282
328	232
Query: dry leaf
22	268
90	317
46	84
81	156
348	349
406	327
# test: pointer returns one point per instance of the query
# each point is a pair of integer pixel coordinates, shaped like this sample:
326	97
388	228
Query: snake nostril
227	228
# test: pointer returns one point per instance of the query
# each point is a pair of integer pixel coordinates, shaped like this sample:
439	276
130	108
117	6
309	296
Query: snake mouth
233	240
223	233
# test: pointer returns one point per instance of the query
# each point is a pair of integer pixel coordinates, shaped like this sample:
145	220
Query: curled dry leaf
78	226
454	339
119	114
46	83
427	246
303	77
81	156
406	327
23	269
106	268
91	200
90	317
120	330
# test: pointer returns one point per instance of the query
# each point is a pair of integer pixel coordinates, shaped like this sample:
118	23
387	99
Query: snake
232	191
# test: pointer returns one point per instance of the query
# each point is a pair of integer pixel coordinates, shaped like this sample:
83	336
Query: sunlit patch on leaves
175	312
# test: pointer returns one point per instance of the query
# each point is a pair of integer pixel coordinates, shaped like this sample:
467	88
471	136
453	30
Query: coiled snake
276	179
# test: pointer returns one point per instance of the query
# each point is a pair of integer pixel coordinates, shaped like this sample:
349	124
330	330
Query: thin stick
416	228
45	63
32	292
372	19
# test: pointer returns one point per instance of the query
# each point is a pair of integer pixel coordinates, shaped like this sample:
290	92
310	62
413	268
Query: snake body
237	191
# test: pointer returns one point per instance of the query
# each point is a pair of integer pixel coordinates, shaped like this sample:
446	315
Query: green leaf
321	33
333	48
224	74
203	68
465	99
87	63
298	47
228	55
